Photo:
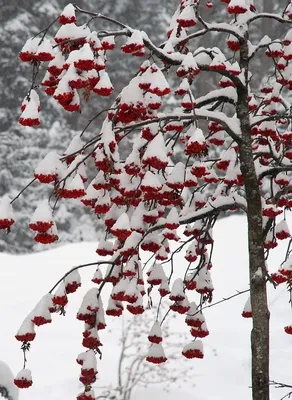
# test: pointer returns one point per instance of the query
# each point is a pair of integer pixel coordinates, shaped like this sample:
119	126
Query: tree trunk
257	269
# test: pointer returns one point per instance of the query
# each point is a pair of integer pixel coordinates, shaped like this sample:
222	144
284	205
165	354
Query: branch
285	190
279	385
256	120
261	46
79	266
274	171
238	293
100	16
78	164
214	96
270	16
22	190
207	211
163	56
217	27
230	125
235	79
210	210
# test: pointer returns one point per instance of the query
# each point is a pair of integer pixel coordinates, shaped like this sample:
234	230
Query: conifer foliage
149	203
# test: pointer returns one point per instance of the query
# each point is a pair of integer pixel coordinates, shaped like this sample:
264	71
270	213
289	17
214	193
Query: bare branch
269	16
79	267
274	171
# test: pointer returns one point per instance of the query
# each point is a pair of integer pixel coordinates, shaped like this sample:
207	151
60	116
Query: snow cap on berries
32	94
131	244
104	86
164	288
247	312
159	84
187	17
156	354
88	395
73	188
90	301
193	349
177	291
71	31
41	315
131	292
137	307
74	147
237	7
121	227
47	237
175	179
68	16
49	168
286	268
156	153
30	114
23	379
114	308
150	182
60	297
196	144
155	334
44	51
26	332
7	217
72	281
42	218
172	219
156	275
134	43
282	230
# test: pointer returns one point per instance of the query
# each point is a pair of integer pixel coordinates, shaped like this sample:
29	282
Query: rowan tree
150	201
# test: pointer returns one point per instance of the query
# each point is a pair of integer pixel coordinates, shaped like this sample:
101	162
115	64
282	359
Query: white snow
69	11
25	279
6	380
42	213
72	31
6	210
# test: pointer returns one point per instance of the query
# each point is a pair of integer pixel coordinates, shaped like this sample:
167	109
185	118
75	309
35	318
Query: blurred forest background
21	148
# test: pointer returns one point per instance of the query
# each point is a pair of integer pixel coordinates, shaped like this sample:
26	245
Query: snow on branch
275	17
227	95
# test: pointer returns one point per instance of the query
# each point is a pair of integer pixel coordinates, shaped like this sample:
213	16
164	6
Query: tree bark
257	269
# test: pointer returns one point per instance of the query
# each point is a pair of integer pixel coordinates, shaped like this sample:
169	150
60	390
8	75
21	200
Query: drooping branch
23	190
79	267
235	79
256	120
274	171
275	17
207	212
238	293
157	51
100	16
213	97
261	46
230	124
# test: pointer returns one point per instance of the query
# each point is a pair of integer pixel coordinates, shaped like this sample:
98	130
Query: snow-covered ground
224	372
